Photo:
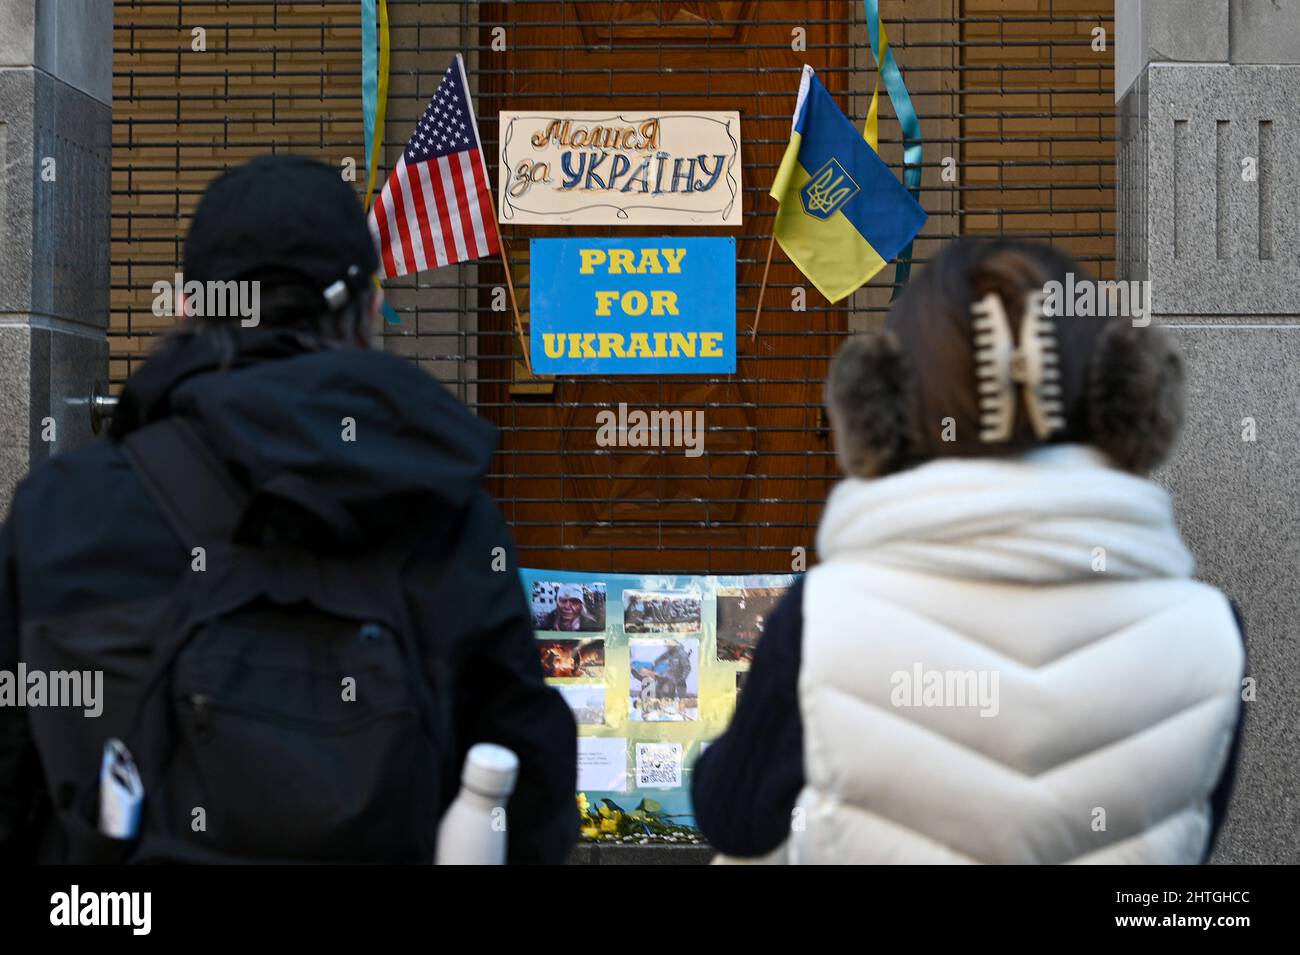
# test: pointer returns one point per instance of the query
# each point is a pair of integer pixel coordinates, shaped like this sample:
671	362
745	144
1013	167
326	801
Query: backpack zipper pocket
203	709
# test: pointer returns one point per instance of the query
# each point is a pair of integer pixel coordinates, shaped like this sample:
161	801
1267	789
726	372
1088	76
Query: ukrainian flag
844	215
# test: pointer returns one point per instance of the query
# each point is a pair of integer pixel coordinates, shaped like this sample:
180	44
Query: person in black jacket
269	401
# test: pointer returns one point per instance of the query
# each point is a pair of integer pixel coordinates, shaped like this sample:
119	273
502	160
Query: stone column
56	71
1209	185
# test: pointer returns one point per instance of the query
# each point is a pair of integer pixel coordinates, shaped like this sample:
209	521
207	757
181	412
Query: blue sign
656	306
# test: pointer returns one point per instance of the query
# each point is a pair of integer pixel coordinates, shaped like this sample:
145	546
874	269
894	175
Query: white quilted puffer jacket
1007	661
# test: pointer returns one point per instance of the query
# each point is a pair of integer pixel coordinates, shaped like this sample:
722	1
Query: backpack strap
190	485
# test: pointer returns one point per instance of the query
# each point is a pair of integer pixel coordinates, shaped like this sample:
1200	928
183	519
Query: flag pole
510	282
758	312
492	204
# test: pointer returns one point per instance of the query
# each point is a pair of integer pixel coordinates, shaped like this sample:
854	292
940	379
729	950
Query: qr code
659	765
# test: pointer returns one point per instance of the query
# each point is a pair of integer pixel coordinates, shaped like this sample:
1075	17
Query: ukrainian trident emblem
827	191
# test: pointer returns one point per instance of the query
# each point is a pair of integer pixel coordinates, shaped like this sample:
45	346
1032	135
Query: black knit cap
285	221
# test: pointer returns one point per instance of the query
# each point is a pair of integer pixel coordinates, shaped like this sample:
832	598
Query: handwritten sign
591	168
642	306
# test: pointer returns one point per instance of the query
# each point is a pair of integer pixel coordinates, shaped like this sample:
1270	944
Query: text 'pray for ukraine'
633	306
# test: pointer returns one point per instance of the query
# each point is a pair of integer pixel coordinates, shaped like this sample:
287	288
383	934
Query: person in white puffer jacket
1002	656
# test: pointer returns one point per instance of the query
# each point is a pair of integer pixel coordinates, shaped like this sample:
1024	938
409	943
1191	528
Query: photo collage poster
651	666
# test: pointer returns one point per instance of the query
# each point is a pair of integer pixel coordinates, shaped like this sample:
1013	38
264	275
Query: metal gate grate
1018	106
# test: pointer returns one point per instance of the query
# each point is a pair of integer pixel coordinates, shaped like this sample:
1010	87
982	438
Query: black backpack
288	714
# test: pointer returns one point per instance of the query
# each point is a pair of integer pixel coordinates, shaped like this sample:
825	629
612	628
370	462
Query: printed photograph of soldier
665	683
573	658
568	608
742	614
645	612
587	703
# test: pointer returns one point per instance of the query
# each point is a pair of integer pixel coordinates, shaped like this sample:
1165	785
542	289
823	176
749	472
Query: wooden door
757	490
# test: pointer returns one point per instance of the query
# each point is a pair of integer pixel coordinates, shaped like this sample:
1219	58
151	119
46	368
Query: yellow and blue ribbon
374	84
375	60
369	80
888	71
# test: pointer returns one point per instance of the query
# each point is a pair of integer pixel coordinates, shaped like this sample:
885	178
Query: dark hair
909	393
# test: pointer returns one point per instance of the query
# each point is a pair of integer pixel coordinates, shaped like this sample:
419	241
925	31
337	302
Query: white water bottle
473	832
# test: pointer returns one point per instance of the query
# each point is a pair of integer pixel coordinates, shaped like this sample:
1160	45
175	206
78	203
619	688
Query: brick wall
275	76
1039	125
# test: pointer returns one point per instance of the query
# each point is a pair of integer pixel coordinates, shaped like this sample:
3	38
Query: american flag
435	209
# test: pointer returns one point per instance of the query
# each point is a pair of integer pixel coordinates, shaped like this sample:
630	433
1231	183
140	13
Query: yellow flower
609	825
591	832
583	805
